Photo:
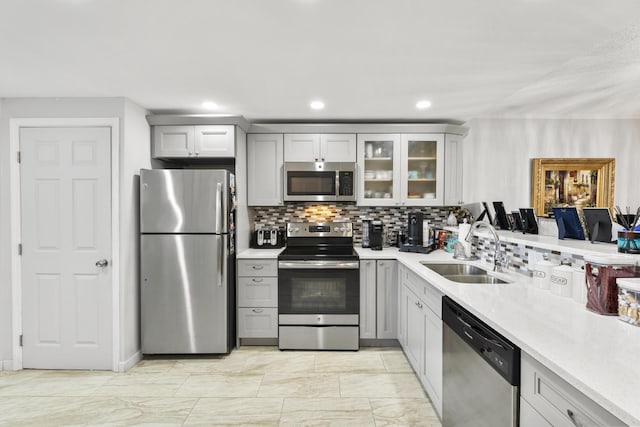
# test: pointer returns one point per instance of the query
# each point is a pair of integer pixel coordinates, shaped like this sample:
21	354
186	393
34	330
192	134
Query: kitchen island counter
596	354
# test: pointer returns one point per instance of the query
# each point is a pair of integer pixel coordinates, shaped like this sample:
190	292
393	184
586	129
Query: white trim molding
15	219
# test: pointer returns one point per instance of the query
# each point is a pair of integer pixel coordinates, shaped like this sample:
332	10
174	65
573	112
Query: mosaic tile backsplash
393	218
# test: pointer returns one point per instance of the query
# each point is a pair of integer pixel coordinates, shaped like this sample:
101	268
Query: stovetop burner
313	240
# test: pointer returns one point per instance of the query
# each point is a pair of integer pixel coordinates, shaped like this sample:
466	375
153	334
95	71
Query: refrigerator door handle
219	205
221	263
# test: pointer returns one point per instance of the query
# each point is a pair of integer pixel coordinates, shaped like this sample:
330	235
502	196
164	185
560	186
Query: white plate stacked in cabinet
257	298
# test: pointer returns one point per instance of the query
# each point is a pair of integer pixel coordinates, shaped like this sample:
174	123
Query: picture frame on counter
564	182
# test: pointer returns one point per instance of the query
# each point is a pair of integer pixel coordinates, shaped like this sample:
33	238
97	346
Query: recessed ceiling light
317	105
423	105
209	105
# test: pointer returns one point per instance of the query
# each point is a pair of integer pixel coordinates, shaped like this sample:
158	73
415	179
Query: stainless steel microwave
319	181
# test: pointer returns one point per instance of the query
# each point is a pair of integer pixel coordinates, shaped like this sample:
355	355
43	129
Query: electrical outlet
533	258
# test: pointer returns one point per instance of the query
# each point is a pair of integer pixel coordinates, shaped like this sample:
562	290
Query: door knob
102	263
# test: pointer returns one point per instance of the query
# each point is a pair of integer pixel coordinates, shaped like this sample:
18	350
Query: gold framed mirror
571	182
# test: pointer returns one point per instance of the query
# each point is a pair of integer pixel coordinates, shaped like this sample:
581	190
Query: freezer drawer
184	201
184	294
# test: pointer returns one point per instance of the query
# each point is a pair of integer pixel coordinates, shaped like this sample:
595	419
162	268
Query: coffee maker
376	234
414	228
414	238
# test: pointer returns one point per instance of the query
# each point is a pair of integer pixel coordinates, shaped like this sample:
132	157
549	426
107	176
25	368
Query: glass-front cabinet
401	169
379	169
423	167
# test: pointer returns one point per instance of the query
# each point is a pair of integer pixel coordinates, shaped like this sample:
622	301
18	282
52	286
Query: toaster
267	238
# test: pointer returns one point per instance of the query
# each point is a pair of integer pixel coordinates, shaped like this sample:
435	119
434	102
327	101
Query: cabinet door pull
257	267
257	279
257	310
572	417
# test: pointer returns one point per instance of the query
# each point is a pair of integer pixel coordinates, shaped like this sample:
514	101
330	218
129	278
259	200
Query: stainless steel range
319	288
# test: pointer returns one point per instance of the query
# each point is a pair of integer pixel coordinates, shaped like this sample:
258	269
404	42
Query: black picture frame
517	221
598	223
501	216
529	222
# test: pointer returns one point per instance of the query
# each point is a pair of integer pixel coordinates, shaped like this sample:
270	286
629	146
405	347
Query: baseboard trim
130	362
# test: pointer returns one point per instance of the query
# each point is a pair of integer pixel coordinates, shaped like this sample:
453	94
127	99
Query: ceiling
366	59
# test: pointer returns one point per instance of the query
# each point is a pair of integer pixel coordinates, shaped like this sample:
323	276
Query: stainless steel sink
462	273
446	269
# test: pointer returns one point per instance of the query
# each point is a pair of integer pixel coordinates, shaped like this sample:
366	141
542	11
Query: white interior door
65	179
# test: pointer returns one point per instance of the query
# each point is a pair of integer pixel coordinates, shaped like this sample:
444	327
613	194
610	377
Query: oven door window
318	291
310	183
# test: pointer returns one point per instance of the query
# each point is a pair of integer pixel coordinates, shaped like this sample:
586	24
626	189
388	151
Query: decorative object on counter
579	284
414	228
629	242
501	216
529	223
485	212
629	301
376	235
571	182
601	274
598	224
542	272
562	279
517	221
629	238
428	234
452	221
569	224
401	237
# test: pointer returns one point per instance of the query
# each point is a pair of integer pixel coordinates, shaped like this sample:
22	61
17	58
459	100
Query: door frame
15	222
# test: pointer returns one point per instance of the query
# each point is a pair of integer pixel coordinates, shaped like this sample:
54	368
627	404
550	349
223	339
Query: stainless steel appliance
319	181
187	261
319	288
267	238
481	372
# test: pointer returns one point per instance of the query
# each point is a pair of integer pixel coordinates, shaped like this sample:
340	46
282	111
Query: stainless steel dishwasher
481	372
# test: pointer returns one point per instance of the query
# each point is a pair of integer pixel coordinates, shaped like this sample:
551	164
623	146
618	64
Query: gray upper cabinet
264	169
453	170
334	147
211	141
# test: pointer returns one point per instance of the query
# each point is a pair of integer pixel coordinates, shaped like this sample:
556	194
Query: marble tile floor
259	386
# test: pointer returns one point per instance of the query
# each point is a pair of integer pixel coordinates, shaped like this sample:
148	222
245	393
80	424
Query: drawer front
257	267
559	402
257	291
414	282
257	322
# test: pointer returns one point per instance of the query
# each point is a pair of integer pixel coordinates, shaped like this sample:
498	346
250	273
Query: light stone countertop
599	355
259	253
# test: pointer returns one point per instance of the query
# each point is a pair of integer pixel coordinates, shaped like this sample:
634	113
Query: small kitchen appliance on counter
415	238
319	288
267	238
376	234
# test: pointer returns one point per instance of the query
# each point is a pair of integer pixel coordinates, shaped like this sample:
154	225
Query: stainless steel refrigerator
187	261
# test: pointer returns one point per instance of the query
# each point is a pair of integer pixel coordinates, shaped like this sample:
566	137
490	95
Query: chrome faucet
499	260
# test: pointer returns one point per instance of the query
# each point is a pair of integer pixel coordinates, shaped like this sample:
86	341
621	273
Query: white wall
498	152
135	153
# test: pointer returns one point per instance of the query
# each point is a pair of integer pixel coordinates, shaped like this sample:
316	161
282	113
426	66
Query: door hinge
18	157
19	248
20	340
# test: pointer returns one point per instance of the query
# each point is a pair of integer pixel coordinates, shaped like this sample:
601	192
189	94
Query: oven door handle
307	265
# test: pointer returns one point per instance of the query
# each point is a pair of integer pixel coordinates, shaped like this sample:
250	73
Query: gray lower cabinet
420	331
378	299
552	399
257	295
